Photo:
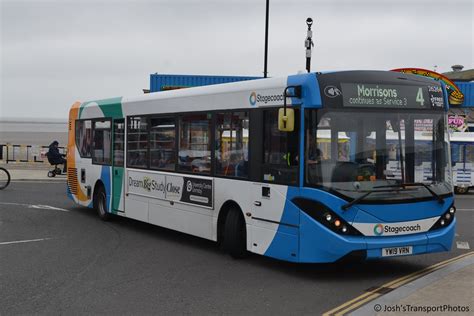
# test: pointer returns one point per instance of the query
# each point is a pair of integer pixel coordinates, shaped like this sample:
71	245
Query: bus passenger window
162	143
231	150
119	138
281	150
101	145
137	142
84	138
194	154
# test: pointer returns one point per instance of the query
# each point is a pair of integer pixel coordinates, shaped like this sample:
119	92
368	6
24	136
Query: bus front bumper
323	245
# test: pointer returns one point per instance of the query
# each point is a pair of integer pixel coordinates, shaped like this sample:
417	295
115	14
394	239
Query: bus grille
72	180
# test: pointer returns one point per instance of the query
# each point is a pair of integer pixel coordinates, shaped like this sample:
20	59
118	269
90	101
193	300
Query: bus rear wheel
235	236
100	203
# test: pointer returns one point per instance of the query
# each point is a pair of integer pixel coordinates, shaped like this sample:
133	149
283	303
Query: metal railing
25	153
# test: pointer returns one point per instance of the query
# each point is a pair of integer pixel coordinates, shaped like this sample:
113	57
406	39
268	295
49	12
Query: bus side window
137	142
119	137
101	145
84	137
194	153
280	150
231	150
162	143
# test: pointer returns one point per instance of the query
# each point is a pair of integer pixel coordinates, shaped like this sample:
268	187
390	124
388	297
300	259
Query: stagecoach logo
396	229
378	229
253	98
265	99
332	91
189	186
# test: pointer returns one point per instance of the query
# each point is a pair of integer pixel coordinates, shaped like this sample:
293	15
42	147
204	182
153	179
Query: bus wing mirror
286	121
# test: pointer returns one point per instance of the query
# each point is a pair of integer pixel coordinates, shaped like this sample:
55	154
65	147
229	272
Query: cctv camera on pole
308	43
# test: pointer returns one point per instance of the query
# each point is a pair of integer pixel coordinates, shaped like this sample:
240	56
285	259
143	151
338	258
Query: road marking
48	207
379	291
37	206
462	245
465	209
22	241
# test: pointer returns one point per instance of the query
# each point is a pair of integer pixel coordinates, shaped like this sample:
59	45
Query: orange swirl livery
71	154
455	95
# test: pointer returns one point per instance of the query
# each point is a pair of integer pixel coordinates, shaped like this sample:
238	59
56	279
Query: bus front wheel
100	203
235	236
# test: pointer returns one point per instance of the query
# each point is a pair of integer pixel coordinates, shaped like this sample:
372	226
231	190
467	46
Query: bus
299	168
462	156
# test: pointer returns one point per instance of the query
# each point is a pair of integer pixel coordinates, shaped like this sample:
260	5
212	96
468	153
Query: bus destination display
392	96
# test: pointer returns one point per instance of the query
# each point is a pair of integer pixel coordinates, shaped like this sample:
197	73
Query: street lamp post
266	41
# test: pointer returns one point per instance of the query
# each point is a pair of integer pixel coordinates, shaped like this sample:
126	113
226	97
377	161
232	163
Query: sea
34	132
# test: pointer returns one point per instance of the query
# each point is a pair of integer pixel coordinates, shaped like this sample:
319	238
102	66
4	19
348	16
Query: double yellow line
379	291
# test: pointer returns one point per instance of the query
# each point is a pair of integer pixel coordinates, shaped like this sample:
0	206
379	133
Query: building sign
456	97
177	188
457	123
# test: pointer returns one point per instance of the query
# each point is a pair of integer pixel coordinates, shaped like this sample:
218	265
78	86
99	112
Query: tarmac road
64	260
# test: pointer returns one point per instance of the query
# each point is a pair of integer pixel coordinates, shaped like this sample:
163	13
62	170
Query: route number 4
419	97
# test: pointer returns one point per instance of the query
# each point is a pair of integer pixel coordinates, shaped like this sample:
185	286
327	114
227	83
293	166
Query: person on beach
55	157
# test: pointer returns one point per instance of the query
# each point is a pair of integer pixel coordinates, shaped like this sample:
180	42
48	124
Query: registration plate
397	251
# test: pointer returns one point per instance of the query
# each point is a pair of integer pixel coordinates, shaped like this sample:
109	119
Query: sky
56	52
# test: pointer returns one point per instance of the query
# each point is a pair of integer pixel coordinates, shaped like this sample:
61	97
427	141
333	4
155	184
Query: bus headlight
326	217
445	219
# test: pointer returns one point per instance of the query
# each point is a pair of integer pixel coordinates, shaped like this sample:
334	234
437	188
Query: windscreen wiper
413	184
363	196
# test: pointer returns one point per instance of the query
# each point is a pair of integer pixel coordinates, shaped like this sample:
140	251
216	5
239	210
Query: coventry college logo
253	98
189	186
378	229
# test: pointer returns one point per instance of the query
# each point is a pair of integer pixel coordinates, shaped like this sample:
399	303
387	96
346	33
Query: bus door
118	190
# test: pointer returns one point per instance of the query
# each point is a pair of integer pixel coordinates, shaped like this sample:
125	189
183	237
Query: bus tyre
235	239
100	202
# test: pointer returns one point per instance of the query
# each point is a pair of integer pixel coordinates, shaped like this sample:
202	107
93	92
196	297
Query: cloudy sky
58	51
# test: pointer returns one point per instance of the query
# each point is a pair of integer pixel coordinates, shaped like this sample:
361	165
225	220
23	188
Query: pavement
445	288
30	171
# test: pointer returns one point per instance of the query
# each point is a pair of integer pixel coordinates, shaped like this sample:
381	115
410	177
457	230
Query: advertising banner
457	123
177	188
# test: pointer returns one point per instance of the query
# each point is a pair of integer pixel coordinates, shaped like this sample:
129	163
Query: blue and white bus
298	168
